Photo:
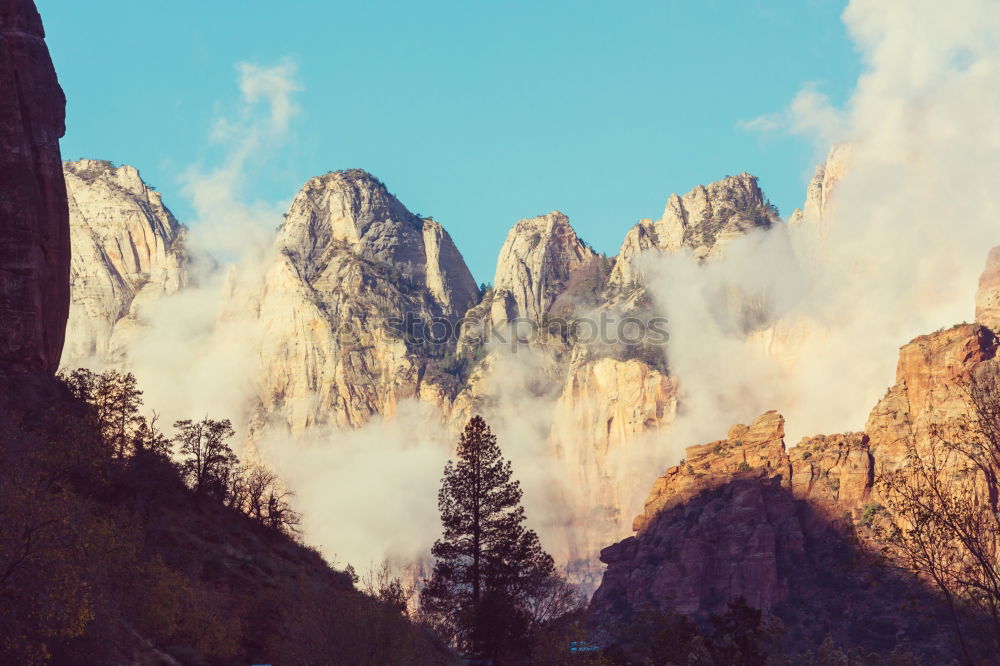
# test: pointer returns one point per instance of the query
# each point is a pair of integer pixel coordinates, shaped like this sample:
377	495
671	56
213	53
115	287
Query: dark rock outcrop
34	217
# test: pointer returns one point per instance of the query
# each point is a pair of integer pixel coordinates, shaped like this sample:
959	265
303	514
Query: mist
896	253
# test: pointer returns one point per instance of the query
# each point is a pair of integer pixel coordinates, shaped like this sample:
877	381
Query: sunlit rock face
128	252
702	222
601	434
933	380
818	205
353	211
534	265
350	261
810	225
34	225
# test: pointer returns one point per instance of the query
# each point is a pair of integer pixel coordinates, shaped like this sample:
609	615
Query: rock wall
534	265
34	224
128	251
351	265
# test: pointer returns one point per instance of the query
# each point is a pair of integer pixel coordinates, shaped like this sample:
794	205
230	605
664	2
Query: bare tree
207	458
943	519
380	583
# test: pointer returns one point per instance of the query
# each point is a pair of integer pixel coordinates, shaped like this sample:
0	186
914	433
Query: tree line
200	450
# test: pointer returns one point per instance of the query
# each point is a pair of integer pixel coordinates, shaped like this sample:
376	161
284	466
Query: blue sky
476	113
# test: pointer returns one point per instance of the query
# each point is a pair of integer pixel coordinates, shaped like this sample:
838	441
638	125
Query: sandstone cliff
34	227
744	517
534	265
127	252
345	306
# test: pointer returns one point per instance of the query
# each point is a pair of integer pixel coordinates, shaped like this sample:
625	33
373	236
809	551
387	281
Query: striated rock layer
34	225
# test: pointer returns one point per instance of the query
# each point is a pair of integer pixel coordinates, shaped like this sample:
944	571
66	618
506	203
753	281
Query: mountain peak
534	265
354	211
703	221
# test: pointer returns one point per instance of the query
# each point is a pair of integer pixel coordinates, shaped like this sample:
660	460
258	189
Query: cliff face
534	265
127	252
34	226
356	280
353	211
703	221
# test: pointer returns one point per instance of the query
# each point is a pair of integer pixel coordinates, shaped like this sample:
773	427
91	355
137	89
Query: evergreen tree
488	566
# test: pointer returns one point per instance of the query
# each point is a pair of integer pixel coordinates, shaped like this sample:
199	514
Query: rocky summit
128	249
702	222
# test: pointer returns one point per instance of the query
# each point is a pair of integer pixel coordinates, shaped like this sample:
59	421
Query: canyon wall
34	226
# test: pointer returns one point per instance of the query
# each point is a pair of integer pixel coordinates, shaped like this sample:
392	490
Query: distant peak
358	178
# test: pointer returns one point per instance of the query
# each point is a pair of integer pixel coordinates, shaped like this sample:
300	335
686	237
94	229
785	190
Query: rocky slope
127	251
34	227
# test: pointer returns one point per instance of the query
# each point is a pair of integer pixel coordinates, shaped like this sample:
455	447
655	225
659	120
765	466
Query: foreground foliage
113	552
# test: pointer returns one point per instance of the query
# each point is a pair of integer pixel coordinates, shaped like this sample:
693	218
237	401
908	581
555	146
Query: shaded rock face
128	251
34	225
703	221
988	295
721	524
534	265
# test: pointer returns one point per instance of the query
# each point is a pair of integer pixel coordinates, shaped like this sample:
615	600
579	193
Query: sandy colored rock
753	450
128	251
534	265
703	221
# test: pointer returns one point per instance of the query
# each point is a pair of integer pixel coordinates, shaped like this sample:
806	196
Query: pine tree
487	564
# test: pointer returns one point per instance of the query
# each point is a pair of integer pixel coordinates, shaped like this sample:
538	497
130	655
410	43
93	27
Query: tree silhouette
208	459
488	567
